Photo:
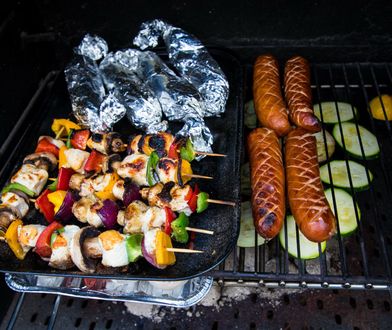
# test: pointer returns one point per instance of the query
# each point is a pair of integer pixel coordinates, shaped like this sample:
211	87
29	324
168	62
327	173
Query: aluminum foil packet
123	76
179	99
192	60
92	107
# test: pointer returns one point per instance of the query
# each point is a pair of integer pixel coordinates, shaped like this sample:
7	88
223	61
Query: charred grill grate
335	309
361	260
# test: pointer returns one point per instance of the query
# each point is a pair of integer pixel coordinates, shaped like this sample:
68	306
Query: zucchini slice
345	209
321	150
351	140
246	238
340	174
330	112
308	249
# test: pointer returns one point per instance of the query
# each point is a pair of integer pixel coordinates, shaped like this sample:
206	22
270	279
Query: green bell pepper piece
152	163
68	143
18	186
54	235
202	202
53	185
133	245
187	152
178	226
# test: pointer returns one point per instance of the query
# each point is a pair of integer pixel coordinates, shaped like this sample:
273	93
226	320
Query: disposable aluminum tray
174	294
223	220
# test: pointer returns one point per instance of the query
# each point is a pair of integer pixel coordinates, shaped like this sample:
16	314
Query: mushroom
111	163
42	160
85	248
7	215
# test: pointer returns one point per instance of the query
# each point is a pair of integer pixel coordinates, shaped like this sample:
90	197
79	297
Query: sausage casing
298	94
307	200
270	107
268	183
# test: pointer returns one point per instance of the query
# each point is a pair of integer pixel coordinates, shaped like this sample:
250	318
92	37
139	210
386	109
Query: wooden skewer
209	154
52	179
198	230
198	176
183	250
218	201
60	132
32	200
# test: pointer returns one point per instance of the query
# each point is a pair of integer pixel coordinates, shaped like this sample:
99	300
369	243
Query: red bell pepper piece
94	162
170	216
79	139
44	206
192	203
42	248
173	149
189	194
64	177
44	145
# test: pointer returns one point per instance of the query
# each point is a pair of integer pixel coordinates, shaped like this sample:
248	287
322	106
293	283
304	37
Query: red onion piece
150	257
131	193
108	213
65	211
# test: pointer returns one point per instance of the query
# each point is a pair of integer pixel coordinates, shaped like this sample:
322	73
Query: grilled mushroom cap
116	144
111	163
42	160
7	215
84	248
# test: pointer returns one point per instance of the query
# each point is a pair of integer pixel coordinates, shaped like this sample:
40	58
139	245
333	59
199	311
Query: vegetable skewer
69	246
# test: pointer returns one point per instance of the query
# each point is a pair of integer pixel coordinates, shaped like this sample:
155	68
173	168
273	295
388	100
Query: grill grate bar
53	316
353	193
352	265
16	311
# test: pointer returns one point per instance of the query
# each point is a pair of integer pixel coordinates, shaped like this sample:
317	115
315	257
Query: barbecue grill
347	66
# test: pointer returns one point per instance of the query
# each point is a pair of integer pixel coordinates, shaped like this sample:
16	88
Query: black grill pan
223	220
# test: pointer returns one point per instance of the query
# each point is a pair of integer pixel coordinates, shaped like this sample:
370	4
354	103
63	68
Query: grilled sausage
308	203
268	183
269	104
298	94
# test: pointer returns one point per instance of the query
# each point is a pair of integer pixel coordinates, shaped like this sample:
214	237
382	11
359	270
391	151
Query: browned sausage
298	94
308	203
268	184
269	104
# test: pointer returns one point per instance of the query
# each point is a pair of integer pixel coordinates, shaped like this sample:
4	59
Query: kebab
67	246
165	145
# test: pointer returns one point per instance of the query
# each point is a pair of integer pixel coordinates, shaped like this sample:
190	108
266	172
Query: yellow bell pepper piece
185	169
62	158
164	257
65	125
12	239
107	192
57	198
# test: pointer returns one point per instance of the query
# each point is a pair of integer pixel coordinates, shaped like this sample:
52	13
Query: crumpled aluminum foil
192	60
86	90
90	104
93	47
178	98
122	74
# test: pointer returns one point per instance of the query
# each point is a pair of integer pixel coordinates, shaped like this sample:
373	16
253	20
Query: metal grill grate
329	309
361	260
